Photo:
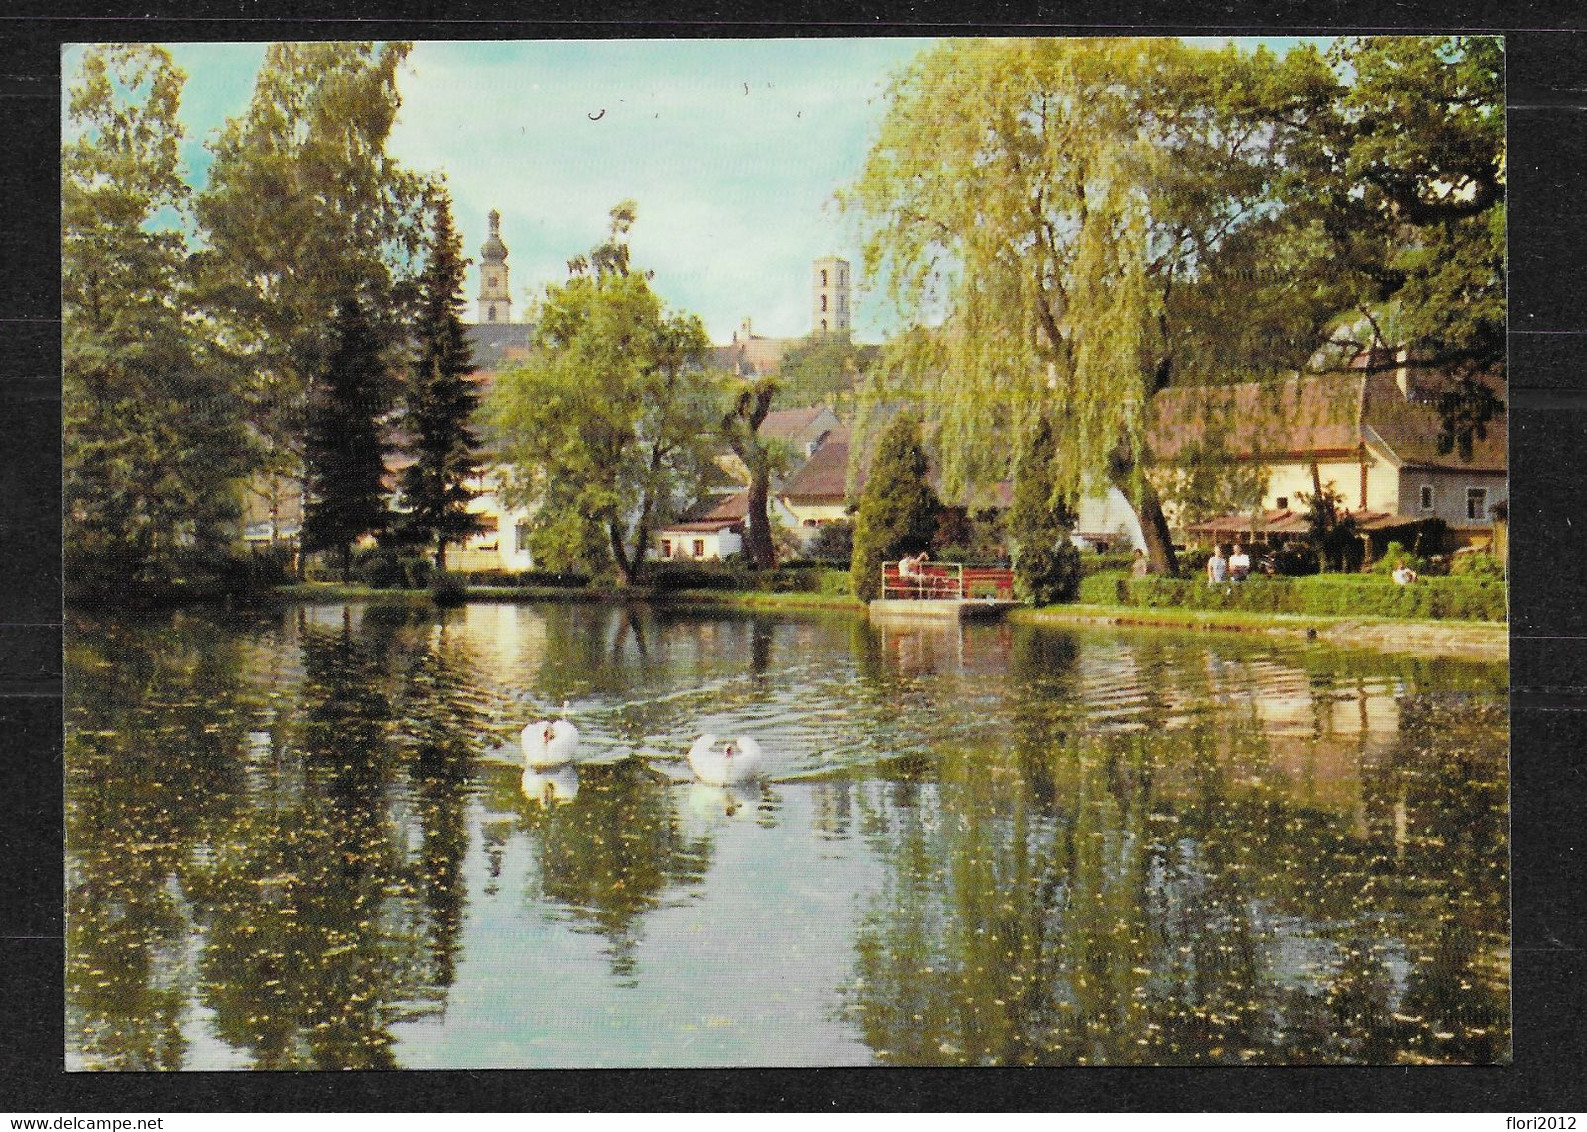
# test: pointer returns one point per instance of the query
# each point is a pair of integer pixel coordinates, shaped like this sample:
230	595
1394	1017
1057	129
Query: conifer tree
344	451
898	508
1046	563
441	401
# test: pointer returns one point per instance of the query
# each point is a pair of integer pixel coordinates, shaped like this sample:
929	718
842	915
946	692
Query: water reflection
305	841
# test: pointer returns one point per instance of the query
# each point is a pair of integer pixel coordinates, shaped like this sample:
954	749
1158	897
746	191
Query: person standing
1217	566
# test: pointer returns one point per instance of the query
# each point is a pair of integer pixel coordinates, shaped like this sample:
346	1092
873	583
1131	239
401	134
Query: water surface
303	840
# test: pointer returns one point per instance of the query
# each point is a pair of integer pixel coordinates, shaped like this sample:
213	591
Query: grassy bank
737	599
1476	640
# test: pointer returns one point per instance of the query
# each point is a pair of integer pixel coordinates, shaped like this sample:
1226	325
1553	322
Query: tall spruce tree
898	508
440	403
1046	563
344	450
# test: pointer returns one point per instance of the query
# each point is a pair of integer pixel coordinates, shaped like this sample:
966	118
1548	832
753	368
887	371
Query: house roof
1290	522
825	475
496	343
787	424
722	509
1313	416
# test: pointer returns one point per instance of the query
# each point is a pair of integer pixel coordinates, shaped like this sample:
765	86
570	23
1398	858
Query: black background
1547	94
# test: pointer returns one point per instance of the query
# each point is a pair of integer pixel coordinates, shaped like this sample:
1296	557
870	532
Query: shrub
1393	555
1106	588
416	570
448	589
378	566
1477	565
1342	595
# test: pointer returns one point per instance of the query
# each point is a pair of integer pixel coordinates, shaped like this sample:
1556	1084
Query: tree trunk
758	542
347	564
440	557
626	569
1160	557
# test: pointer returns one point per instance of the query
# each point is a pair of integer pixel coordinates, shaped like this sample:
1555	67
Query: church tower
829	296
495	301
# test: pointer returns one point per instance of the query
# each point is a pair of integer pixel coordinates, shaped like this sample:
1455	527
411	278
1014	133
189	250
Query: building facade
829	296
495	296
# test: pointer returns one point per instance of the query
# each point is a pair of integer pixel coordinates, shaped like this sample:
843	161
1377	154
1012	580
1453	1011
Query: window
490	313
809	522
823	324
666	548
487	524
521	537
823	277
1282	503
699	548
1426	497
823	302
1476	503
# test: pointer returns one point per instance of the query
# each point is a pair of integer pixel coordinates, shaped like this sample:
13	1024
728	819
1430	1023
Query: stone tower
829	295
495	300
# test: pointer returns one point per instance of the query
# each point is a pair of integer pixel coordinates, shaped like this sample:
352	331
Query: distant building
495	298
829	296
1373	435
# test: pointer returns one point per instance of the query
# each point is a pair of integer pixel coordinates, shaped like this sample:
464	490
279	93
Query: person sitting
1403	574
909	572
1217	567
1239	564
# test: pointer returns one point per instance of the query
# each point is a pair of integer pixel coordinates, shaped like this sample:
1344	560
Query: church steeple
495	300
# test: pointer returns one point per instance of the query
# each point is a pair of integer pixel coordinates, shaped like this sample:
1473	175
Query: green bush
448	589
1393	555
1091	563
1341	595
1105	588
560	579
1477	566
379	567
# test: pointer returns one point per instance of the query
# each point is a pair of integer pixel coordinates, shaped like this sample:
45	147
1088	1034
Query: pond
303	840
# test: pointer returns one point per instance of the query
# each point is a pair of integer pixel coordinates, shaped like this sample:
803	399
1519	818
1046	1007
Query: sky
733	150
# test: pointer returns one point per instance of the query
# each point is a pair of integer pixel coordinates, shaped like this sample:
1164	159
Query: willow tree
1062	220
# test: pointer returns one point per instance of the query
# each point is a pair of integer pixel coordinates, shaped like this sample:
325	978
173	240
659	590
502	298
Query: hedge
1452	598
809	579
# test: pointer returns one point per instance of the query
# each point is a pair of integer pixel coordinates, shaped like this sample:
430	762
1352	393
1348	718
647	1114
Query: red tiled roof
1319	415
1301	416
825	475
787	424
719	509
1288	522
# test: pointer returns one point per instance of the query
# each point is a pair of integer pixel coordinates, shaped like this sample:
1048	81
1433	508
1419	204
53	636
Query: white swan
547	744
549	787
725	763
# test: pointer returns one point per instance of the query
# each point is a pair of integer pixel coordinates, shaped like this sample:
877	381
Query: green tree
823	369
305	208
898	508
608	429
762	456
440	402
344	451
1046	563
153	444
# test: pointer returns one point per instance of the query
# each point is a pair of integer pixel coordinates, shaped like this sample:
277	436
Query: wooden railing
937	580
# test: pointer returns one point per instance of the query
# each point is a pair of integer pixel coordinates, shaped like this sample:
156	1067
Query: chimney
1402	375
